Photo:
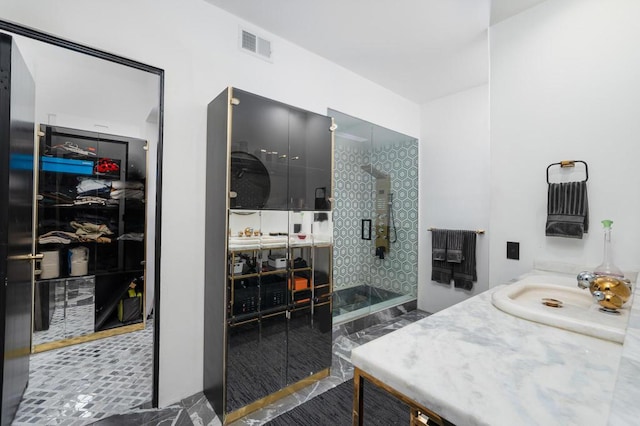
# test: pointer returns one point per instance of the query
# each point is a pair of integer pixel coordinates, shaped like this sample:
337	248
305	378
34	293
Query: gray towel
567	210
439	244
455	241
464	273
441	270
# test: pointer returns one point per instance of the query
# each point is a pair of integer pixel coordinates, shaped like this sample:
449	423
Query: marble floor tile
81	384
341	368
116	378
168	416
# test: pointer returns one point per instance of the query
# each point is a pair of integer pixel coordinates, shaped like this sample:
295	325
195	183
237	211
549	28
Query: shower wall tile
354	258
353	189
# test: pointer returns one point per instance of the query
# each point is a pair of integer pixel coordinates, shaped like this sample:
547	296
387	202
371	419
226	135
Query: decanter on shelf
607	267
607	283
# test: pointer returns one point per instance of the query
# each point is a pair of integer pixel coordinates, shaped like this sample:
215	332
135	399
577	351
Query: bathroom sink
557	301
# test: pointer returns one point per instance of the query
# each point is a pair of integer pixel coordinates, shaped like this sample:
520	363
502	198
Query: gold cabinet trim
87	338
261	403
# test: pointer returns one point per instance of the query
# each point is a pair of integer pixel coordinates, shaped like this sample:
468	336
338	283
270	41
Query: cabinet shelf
114	241
276	285
115	323
74	243
273	312
244	318
243	250
83	175
323	245
243	276
273	271
45	206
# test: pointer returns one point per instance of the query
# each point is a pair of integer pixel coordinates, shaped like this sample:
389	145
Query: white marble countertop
476	365
625	409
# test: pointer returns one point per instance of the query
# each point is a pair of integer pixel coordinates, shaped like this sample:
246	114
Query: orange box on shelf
299	283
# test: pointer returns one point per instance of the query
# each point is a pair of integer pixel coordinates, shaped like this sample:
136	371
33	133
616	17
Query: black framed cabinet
90	195
269	233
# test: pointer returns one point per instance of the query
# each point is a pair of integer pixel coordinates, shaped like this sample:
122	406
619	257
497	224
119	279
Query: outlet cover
513	250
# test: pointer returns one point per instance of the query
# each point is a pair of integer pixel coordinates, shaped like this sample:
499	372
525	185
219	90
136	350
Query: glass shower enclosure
375	218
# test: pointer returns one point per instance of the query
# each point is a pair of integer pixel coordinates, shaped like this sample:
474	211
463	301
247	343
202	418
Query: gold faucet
610	292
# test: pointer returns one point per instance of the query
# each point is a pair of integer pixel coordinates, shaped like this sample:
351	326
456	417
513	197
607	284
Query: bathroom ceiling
419	49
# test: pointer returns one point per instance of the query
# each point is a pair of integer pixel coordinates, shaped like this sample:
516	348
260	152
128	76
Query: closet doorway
89	346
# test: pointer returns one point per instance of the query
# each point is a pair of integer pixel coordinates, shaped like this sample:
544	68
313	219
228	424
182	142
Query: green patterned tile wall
354	260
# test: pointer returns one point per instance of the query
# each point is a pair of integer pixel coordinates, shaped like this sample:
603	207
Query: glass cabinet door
257	305
309	161
259	153
280	156
256	360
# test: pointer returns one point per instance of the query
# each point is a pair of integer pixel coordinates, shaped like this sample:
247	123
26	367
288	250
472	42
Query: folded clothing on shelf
88	228
127	193
131	236
87	185
122	184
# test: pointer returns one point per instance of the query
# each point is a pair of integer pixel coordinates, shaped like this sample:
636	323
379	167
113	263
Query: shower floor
361	297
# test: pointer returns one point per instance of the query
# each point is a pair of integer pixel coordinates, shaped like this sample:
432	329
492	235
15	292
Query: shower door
375	217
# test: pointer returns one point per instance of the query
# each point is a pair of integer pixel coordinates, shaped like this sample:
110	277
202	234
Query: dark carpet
334	408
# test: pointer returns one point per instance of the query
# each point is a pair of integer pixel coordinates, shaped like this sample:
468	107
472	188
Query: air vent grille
249	41
259	46
264	47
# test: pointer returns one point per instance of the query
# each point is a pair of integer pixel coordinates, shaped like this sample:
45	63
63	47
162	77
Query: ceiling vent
258	46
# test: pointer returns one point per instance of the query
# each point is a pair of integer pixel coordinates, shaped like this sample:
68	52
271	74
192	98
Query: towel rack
477	231
569	163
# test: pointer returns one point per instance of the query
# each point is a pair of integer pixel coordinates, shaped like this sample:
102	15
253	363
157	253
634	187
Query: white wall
196	44
454	183
565	85
82	92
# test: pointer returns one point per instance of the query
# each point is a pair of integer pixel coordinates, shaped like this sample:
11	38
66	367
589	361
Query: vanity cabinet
268	274
90	227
